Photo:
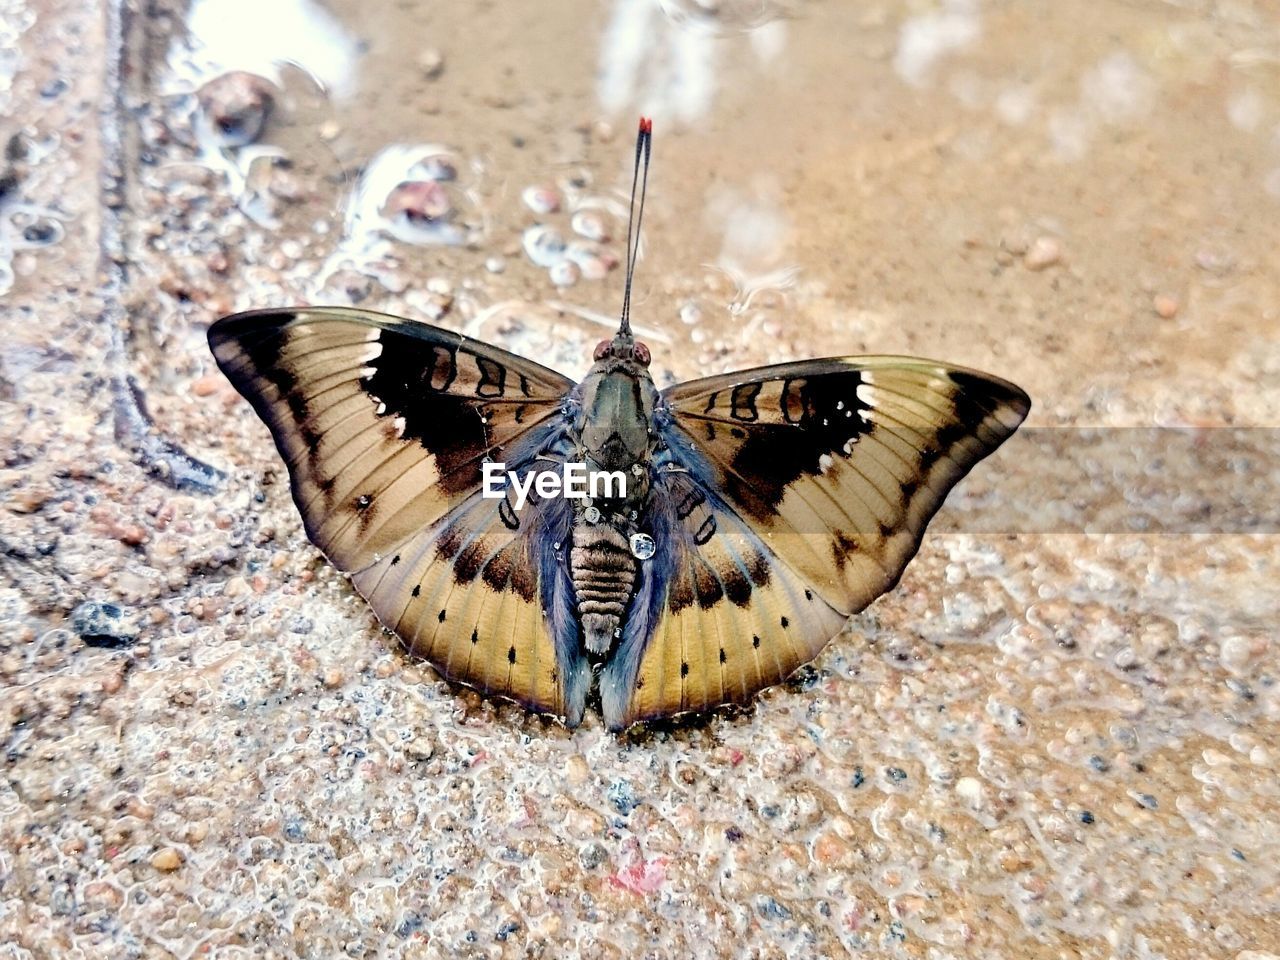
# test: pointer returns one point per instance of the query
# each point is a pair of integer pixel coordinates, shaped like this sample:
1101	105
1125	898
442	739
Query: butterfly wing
385	425
788	498
483	595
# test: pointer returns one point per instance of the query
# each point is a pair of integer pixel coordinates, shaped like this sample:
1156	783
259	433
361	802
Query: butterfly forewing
385	425
811	485
842	462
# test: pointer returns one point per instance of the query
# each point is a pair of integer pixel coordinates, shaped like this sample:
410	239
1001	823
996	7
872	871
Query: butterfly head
623	347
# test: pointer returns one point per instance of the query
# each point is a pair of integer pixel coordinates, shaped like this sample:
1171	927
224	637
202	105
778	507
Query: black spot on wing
707	584
680	591
366	510
743	402
510	519
466	566
442	368
706	531
692	500
737	587
450	543
842	547
493	378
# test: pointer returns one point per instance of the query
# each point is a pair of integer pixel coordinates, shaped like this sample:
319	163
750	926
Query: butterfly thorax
614	433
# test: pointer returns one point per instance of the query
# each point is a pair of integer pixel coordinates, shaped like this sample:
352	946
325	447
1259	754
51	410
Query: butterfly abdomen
604	576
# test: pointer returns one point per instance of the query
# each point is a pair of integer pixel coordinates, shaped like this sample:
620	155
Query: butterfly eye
641	353
602	349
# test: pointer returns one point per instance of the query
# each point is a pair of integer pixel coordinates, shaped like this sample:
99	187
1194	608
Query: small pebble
207	385
234	107
167	860
333	678
1165	306
622	797
593	855
593	268
543	245
418	200
1043	253
103	625
495	264
42	232
564	274
431	63
541	200
590	224
585	255
829	849
771	909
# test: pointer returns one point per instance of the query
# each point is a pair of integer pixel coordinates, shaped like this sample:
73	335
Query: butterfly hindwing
385	425
469	595
729	618
794	495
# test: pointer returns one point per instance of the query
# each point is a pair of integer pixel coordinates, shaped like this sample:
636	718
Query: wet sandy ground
1042	744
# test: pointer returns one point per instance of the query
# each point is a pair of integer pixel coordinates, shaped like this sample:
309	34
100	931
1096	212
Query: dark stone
103	625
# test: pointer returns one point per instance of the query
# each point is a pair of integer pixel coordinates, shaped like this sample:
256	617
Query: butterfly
753	513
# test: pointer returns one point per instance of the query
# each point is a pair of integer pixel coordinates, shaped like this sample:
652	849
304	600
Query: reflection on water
926	38
261	38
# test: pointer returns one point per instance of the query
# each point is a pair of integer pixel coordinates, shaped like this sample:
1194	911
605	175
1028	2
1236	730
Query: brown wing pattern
828	469
734	618
467	595
384	425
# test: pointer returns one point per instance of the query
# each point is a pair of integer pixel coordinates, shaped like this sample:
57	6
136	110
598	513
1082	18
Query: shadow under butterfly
763	508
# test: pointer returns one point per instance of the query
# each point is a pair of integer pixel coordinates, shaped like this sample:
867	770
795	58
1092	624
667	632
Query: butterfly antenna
636	214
